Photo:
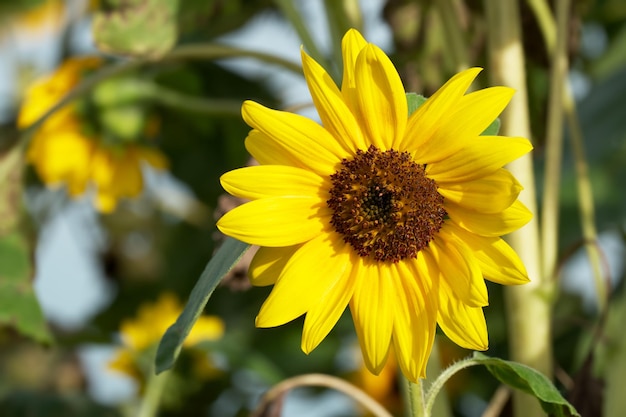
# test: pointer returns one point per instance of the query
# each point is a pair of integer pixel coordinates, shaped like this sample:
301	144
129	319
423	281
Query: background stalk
554	144
527	306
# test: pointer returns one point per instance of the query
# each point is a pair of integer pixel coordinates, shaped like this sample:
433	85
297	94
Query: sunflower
398	216
143	332
68	150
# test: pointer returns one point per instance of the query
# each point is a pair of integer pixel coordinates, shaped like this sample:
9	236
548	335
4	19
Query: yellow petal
422	126
308	276
471	115
298	136
482	156
490	194
154	157
496	258
273	181
105	202
276	221
415	316
490	224
351	45
459	268
127	177
269	152
206	328
322	317
372	312
381	100
477	110
464	325
268	263
334	112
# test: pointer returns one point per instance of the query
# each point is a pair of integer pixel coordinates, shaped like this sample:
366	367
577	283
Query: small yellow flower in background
397	216
144	332
64	151
47	14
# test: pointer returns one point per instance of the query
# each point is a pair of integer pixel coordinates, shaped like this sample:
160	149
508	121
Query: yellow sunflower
144	332
398	216
64	152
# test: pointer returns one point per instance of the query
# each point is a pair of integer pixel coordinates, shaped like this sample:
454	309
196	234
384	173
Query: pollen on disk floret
384	206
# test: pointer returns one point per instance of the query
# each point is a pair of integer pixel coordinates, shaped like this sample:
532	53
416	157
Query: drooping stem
319	380
193	51
528	306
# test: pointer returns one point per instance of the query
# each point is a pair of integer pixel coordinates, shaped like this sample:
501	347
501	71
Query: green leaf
220	264
138	27
492	129
414	101
11	166
19	307
530	381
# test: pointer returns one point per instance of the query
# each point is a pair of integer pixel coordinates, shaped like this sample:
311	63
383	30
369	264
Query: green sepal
414	100
492	129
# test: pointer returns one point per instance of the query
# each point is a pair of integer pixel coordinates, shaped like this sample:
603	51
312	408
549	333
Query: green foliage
138	27
222	262
530	381
19	307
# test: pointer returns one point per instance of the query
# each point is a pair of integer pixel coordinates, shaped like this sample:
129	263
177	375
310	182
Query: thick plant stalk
528	306
554	145
585	195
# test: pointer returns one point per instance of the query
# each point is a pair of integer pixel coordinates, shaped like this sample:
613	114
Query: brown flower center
384	205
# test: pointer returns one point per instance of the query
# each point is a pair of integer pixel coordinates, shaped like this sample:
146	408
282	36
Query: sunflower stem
152	396
417	404
528	306
438	383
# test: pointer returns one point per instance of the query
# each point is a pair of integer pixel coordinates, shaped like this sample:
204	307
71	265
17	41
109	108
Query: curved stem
201	51
438	383
320	380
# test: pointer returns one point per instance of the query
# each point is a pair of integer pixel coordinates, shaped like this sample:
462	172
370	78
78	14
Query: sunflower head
396	215
72	148
141	334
